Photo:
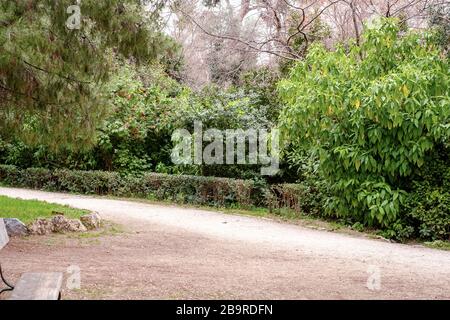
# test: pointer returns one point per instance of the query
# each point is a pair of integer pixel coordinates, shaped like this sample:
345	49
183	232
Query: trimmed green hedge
213	191
302	198
220	192
183	188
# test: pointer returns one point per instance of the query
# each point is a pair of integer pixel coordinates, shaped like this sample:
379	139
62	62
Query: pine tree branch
56	74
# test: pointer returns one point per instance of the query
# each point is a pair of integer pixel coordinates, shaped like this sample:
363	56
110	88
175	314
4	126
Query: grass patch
438	244
29	210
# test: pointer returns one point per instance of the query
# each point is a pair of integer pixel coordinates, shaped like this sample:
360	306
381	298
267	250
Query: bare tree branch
278	53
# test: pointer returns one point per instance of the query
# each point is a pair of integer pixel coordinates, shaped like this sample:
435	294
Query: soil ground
149	251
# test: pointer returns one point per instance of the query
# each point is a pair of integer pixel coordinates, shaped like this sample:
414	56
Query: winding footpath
172	252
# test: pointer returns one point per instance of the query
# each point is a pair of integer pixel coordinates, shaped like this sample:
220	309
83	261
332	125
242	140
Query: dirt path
179	253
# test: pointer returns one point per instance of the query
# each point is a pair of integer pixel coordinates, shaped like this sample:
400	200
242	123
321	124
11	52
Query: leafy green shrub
426	213
87	182
11	175
201	190
38	178
234	108
371	113
429	210
305	197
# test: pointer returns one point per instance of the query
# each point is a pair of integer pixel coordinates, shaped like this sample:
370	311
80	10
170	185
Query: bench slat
4	239
38	286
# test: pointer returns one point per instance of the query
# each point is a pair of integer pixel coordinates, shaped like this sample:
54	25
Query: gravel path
170	252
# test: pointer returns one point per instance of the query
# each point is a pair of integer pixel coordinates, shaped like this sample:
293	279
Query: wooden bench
31	286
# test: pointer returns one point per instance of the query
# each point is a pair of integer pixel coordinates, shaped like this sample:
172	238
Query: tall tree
55	57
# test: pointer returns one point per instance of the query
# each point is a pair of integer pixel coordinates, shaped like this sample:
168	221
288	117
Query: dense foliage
426	213
372	114
145	107
52	75
133	137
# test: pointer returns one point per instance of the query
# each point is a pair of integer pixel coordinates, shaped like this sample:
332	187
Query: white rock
62	224
91	220
41	227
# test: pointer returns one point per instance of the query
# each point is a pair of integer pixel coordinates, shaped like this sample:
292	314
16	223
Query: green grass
438	244
29	210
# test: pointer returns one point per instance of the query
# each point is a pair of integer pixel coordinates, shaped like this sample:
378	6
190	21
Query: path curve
215	255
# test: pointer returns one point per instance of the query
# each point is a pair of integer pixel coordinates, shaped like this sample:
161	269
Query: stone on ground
62	224
15	227
91	221
41	227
